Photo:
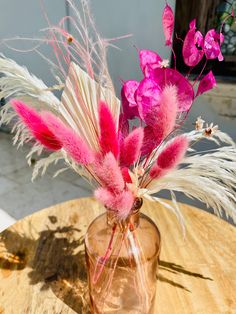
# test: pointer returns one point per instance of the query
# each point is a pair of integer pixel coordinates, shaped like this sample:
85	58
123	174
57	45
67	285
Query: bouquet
129	148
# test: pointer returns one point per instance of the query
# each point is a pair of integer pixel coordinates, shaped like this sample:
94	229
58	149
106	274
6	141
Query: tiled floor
19	196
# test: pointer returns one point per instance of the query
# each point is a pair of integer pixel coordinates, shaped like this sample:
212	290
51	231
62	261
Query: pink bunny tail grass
108	135
37	127
156	172
74	145
170	157
150	141
121	203
173	153
126	175
131	147
167	113
110	174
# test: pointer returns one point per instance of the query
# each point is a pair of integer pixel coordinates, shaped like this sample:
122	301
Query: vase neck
131	221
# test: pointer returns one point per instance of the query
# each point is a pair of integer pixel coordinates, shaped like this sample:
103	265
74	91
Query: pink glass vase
122	260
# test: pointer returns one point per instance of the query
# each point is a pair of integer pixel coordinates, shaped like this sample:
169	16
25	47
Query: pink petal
38	128
130	111
123	129
131	148
192	55
130	88
149	59
199	39
168	24
167	76
123	125
109	173
72	143
148	100
173	153
192	24
222	38
108	136
207	83
212	45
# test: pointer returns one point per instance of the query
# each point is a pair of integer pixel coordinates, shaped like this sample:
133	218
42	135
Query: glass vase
122	260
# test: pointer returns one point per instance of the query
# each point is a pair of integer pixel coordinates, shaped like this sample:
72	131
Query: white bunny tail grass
210	178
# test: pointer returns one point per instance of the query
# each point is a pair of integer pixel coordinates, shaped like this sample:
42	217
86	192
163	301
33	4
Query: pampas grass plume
38	128
73	144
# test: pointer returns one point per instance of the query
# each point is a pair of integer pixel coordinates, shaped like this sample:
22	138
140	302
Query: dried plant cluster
94	132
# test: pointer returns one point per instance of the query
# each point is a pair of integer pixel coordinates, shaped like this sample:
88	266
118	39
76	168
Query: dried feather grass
174	208
208	177
42	164
18	82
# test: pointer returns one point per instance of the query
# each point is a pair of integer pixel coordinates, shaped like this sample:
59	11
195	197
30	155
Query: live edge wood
42	266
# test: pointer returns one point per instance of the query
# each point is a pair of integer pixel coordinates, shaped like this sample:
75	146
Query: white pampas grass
210	178
42	164
174	207
18	82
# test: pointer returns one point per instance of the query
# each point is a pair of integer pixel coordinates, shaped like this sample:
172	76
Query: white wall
142	18
24	18
113	18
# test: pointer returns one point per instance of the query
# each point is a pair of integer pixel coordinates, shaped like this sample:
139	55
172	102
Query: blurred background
18	196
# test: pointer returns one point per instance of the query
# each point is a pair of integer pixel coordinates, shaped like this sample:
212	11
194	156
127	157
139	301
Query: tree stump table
42	262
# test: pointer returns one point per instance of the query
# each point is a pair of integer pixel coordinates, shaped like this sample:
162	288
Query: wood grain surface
42	265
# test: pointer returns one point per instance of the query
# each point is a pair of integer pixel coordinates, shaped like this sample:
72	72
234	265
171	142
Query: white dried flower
210	129
164	63
199	123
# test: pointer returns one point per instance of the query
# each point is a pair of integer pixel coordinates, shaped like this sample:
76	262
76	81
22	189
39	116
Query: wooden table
42	266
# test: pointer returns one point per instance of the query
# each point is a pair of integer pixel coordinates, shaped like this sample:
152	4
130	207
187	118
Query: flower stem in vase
122	263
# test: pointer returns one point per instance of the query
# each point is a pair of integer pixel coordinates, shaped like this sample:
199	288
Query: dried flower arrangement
95	134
